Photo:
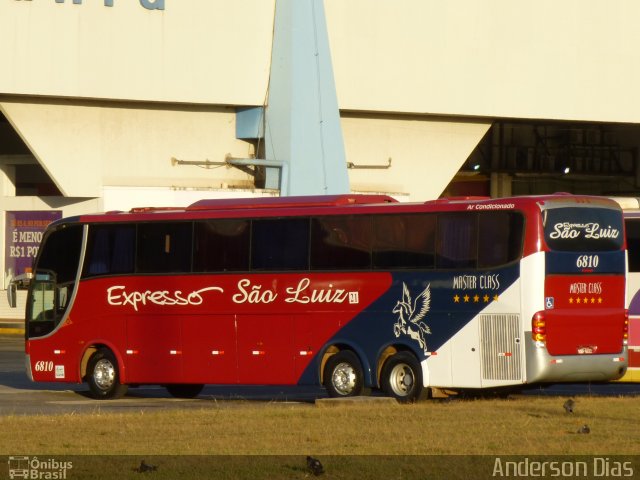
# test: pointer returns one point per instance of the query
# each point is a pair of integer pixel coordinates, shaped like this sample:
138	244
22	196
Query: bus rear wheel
401	377
184	390
103	376
343	376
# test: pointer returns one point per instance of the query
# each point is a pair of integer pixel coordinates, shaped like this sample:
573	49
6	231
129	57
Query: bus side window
110	250
499	238
404	241
632	226
456	244
221	245
280	244
164	247
341	243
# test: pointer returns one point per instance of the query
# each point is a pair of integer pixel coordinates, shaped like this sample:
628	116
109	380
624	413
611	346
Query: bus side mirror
12	294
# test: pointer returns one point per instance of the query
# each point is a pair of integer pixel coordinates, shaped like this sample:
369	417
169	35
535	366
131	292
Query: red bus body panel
588	317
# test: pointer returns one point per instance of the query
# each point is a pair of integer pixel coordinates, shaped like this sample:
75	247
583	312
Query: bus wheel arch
102	374
384	355
93	348
329	352
85	359
342	373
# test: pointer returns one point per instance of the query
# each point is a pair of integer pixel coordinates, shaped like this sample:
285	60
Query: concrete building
110	104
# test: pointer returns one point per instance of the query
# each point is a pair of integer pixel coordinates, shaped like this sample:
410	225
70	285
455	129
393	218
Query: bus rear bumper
545	368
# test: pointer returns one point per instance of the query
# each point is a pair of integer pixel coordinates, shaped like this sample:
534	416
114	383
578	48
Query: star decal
475	298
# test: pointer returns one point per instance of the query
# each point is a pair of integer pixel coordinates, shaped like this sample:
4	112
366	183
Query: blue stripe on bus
421	311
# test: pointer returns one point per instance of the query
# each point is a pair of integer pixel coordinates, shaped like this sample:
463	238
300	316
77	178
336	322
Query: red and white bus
349	292
631	209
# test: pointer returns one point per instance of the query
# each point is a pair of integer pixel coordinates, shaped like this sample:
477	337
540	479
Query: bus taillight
625	330
539	328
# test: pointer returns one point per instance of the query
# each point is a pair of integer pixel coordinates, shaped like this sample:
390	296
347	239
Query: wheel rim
401	380
104	374
344	378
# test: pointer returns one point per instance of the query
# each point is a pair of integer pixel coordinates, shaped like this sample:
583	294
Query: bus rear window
576	229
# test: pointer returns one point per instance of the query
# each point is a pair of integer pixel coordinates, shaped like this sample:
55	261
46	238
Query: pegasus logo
410	315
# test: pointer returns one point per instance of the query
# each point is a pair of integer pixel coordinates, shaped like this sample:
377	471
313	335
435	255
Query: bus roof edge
287	202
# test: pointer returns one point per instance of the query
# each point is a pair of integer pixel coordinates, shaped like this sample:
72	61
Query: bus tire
184	390
343	375
103	376
401	377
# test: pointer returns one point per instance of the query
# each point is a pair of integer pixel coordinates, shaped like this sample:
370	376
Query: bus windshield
578	229
54	280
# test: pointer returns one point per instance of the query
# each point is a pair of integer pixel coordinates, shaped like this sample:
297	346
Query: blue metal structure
304	148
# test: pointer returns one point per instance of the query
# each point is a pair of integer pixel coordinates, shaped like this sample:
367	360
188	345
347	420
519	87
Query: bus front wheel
103	376
401	377
343	376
